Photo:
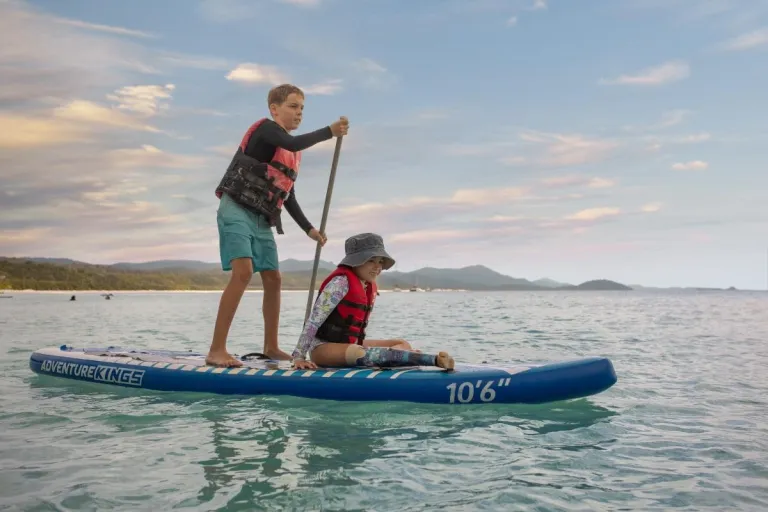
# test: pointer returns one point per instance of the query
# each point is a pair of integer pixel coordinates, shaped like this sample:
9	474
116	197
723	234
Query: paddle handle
326	207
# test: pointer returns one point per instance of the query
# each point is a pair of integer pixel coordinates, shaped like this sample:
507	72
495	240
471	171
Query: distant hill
599	284
289	265
56	261
67	274
549	283
167	265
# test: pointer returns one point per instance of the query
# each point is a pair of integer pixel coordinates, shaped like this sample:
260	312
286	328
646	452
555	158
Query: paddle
327	206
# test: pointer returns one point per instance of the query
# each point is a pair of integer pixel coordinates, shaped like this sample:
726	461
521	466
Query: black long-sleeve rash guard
264	142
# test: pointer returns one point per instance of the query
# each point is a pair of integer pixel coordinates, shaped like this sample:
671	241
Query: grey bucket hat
360	248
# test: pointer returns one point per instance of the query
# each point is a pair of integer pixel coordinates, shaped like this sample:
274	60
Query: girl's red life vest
347	322
261	185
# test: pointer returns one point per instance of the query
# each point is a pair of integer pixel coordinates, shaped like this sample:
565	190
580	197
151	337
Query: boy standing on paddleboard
259	181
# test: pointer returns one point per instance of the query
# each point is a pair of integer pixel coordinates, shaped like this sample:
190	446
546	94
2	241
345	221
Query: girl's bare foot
443	360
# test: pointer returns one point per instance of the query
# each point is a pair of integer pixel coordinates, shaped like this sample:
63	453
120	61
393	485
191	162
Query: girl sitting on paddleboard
334	334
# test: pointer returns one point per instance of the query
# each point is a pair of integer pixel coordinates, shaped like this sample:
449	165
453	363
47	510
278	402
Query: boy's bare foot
443	360
223	359
277	354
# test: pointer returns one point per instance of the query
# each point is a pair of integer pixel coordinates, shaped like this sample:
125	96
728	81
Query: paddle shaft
326	207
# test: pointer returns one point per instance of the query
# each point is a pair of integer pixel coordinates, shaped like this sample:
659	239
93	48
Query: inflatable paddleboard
466	384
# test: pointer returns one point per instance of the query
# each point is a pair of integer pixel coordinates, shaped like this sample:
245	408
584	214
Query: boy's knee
271	278
242	271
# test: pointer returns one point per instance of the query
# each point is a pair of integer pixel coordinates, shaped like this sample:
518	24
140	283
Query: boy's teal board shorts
244	234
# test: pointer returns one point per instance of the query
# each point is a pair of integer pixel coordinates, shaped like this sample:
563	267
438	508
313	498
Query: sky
569	139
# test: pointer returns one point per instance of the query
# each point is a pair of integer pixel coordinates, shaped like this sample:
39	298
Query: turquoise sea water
684	428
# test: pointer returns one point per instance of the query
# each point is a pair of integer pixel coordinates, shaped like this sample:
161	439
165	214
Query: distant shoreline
252	290
65	276
114	293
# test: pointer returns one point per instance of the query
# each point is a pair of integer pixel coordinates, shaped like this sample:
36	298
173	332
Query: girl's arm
325	303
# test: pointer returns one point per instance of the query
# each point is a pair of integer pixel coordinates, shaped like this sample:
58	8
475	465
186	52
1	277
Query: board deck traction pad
187	371
192	361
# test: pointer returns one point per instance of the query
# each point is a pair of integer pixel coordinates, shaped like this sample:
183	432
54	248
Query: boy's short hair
280	93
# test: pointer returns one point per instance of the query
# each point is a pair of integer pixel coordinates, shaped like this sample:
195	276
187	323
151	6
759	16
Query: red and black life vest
260	185
347	322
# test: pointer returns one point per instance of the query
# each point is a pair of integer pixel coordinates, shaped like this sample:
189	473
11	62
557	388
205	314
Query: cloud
101	198
411	224
337	57
668	72
491	197
539	4
225	150
651	207
41	57
15	236
329	54
224	11
195	61
601	183
96	224
512	21
88	112
142	99
260	74
655	143
532	149
748	41
349	145
695	138
478	214
110	29
372	74
95	167
251	73
668	119
327	88
731	15
22	131
481	196
459	198
428	235
694	165
82	120
48	59
654	136
593	213
148	156
227	11
449	212
563	150
576	180
302	3
484	149
673	118
505	218
653	148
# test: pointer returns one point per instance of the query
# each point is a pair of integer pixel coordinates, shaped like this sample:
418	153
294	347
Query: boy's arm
273	134
325	303
293	208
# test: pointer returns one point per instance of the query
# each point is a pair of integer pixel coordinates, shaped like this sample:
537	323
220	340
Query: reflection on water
257	448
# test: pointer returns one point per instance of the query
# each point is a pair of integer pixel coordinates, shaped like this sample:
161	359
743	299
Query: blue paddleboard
163	370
